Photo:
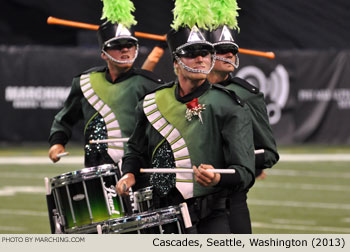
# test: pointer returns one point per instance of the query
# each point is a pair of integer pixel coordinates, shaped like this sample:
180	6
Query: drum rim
144	189
144	194
164	216
83	174
152	218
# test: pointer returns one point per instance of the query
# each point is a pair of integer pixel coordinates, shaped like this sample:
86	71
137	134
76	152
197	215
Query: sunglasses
120	44
226	48
194	51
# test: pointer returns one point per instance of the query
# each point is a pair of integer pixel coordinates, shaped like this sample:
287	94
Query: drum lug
57	219
185	215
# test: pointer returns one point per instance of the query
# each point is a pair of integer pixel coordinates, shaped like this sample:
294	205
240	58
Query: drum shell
143	199
87	197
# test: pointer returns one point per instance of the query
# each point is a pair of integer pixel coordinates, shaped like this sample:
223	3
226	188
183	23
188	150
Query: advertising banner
307	93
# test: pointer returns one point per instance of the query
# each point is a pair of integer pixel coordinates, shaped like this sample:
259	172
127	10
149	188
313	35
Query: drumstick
47	186
58	21
260	151
185	215
50	202
99	229
124	187
113	140
177	170
181	170
63	154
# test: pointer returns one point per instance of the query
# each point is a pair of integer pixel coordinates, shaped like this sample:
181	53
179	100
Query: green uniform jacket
263	136
224	140
107	110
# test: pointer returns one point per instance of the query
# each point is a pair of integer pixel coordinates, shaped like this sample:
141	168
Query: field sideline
303	193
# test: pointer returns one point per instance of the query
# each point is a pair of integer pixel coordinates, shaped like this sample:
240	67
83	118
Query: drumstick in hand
112	140
179	170
124	187
63	154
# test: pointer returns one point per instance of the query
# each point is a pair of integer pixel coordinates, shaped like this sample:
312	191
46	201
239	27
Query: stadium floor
305	193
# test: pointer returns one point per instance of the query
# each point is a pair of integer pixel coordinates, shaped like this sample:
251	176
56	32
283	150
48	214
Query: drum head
83	174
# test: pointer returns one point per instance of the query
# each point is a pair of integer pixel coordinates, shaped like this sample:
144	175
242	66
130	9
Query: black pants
239	217
208	213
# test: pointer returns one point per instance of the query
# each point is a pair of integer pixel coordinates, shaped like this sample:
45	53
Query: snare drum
86	198
143	199
166	220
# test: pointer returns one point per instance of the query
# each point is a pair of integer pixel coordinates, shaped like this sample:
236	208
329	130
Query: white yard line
22	212
24	175
301	173
281	203
13	190
293	222
297	186
23	160
12	229
314	157
301	227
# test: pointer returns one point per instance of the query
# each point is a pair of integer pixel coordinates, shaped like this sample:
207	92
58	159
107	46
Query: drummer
105	97
189	123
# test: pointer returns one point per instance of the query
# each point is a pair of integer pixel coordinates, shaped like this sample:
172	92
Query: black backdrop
272	24
306	87
307	92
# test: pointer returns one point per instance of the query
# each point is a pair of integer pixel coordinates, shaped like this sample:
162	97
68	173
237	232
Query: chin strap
122	61
192	70
235	64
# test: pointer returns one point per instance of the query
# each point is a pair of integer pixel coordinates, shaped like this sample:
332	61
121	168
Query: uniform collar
226	82
195	94
121	77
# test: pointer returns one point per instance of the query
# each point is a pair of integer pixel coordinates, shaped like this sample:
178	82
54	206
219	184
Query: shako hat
118	24
191	19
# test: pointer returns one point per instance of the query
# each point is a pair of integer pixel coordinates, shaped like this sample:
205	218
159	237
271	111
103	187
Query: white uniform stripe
110	117
86	87
179	143
158	124
150	108
93	99
171	134
105	109
84	76
166	130
116	144
181	153
154	116
186	189
150	96
114	134
113	124
146	103
88	93
115	154
183	163
107	114
99	105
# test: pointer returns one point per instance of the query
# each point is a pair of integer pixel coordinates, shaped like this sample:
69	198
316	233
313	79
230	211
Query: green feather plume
192	12
119	11
225	12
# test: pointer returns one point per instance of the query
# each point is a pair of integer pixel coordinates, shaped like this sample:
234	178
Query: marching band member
223	38
105	97
189	123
